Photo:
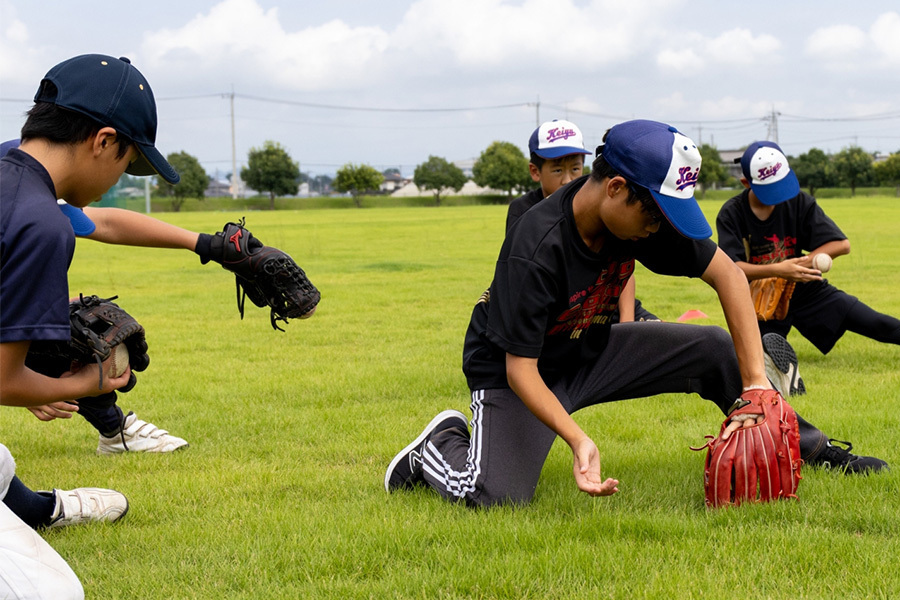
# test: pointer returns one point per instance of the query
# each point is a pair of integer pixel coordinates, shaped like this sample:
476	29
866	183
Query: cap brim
778	192
151	162
685	216
81	223
559	152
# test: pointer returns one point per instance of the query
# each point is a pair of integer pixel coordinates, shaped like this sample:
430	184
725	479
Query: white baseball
821	262
119	361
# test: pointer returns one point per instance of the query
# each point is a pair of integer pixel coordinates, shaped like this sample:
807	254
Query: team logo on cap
768	172
559	133
687	177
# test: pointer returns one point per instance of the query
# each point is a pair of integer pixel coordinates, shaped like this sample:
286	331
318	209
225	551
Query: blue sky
389	83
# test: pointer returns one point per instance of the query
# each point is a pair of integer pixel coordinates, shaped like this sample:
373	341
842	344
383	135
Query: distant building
217	189
733	168
466	166
393	182
470	188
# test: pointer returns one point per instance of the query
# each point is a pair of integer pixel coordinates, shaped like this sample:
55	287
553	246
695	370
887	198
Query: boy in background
767	228
556	158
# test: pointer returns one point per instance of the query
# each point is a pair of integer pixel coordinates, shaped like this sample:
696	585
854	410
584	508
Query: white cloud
682	60
734	47
740	46
238	36
852	48
886	36
486	34
837	43
18	61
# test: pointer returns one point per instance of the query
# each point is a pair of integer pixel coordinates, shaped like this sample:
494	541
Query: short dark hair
46	120
537	161
600	170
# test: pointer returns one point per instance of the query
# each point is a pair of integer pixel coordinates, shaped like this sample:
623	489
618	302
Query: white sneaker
139	436
87	505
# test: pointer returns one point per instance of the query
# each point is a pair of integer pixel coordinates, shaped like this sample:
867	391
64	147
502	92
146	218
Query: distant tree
357	179
712	171
888	171
813	170
853	166
502	166
437	174
193	182
270	169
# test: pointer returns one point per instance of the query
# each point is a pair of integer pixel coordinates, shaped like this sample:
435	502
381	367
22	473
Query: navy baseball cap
771	178
555	139
656	156
115	94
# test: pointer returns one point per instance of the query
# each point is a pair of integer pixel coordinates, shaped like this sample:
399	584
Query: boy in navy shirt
94	118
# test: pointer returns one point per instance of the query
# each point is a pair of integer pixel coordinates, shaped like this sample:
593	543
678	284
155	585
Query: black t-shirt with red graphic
552	297
794	227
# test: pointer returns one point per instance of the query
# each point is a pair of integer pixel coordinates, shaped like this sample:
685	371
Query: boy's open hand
799	270
587	470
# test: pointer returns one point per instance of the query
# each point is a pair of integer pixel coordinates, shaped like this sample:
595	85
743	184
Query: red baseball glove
757	463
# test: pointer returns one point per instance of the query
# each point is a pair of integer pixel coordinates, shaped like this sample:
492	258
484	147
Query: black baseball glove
98	325
266	275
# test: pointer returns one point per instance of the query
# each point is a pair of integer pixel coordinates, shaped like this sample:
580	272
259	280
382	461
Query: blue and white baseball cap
555	139
656	156
115	94
771	178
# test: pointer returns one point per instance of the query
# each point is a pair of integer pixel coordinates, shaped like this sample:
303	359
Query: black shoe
406	469
839	459
781	366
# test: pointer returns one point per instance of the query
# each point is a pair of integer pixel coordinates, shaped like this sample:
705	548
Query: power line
381	109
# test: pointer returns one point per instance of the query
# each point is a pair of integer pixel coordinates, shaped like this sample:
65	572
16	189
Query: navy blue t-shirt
552	297
36	247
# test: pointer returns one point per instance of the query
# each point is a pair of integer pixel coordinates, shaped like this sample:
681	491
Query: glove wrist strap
203	247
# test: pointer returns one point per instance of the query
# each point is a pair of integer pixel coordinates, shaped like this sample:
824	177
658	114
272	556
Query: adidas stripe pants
501	460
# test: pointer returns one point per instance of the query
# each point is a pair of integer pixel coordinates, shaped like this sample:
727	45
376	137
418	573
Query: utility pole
772	132
234	173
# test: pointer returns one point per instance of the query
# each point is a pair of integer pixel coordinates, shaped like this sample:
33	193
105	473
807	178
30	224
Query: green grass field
280	493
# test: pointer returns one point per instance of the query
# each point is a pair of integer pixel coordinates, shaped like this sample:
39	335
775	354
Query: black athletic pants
501	461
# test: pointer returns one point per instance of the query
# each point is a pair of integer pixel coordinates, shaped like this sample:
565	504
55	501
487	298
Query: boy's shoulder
23	175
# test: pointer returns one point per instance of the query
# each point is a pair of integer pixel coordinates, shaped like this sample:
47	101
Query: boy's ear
616	184
744	182
103	139
534	172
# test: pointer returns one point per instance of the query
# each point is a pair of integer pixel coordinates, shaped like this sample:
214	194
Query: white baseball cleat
87	505
139	436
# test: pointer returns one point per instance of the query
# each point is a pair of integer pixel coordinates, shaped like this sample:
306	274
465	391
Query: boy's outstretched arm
525	380
730	284
126	227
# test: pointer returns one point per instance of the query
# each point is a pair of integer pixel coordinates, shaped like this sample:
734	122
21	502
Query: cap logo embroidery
687	177
559	133
767	172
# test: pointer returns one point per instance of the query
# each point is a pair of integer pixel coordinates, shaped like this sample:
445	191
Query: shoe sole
129	451
440	418
780	358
